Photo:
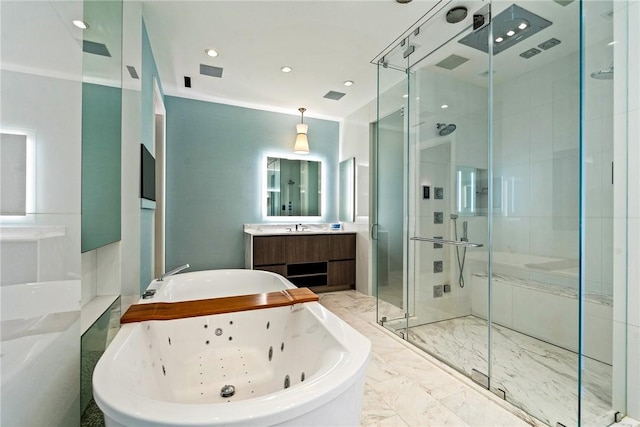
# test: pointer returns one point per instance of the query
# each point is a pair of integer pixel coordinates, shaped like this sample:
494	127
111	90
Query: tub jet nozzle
227	391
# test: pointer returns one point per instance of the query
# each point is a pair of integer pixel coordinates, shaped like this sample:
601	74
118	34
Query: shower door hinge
500	393
480	378
408	51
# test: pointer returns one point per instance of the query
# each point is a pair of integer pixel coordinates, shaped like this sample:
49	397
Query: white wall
355	142
627	215
131	139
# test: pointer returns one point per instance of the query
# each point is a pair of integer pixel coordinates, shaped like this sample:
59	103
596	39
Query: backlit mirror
293	187
346	202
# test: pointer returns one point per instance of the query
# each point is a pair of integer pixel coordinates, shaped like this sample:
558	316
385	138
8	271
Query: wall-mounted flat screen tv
147	174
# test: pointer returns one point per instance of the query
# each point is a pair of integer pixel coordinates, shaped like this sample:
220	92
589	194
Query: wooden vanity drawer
307	248
268	250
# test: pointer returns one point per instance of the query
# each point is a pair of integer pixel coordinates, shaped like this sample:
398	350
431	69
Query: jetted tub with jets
291	365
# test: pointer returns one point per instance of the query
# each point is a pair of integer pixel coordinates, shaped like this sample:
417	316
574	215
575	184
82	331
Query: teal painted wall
149	72
101	165
214	156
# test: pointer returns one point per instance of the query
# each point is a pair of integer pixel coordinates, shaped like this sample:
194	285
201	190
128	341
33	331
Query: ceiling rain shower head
510	27
446	129
605	74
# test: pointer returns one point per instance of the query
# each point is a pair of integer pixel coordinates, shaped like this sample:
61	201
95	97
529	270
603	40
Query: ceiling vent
132	72
187	81
451	62
549	44
95	48
334	95
208	70
529	53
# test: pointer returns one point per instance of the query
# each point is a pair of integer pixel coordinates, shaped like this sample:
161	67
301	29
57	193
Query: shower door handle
448	242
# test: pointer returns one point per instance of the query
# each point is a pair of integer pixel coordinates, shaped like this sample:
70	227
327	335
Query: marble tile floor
537	376
407	387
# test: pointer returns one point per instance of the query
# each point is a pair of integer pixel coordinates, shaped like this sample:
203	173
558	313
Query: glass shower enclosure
495	203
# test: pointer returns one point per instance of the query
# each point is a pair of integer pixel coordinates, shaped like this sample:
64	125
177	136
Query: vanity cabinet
324	262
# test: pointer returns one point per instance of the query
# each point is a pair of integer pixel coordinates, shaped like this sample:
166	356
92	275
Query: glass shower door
388	231
440	194
448	192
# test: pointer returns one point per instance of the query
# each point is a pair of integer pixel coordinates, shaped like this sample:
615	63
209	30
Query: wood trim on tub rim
207	307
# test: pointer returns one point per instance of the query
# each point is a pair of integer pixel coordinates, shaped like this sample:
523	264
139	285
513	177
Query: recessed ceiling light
444	106
499	40
523	25
286	69
211	52
348	83
80	24
510	33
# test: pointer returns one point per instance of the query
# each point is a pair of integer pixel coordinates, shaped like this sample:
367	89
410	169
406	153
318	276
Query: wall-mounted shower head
604	74
445	129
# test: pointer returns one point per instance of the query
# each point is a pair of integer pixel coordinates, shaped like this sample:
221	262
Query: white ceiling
326	42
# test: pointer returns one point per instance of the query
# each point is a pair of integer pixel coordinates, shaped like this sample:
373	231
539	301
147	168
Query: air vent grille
451	62
95	48
529	53
208	70
334	95
132	72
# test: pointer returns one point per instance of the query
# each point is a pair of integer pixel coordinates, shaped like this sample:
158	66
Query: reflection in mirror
472	191
293	187
346	202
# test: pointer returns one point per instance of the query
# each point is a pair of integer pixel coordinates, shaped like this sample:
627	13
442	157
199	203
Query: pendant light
302	143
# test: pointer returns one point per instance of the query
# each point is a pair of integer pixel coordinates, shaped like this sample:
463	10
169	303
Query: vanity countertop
290	229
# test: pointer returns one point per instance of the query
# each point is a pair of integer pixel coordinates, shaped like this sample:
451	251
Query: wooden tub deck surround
208	307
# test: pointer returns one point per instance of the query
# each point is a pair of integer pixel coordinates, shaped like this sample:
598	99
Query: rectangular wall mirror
294	187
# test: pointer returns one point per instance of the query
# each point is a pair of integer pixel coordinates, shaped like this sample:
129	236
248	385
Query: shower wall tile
633	161
541	188
541	136
633	372
633	278
546	324
593	250
511	234
548	239
514	144
515	95
593	170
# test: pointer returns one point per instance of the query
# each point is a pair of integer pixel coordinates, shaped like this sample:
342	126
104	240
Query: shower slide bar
448	242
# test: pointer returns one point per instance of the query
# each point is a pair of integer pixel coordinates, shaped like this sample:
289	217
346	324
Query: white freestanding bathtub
293	365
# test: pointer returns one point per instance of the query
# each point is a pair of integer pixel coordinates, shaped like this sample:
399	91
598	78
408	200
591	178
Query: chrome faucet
172	272
302	227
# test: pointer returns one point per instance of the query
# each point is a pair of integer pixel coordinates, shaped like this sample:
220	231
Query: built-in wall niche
472	191
293	187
